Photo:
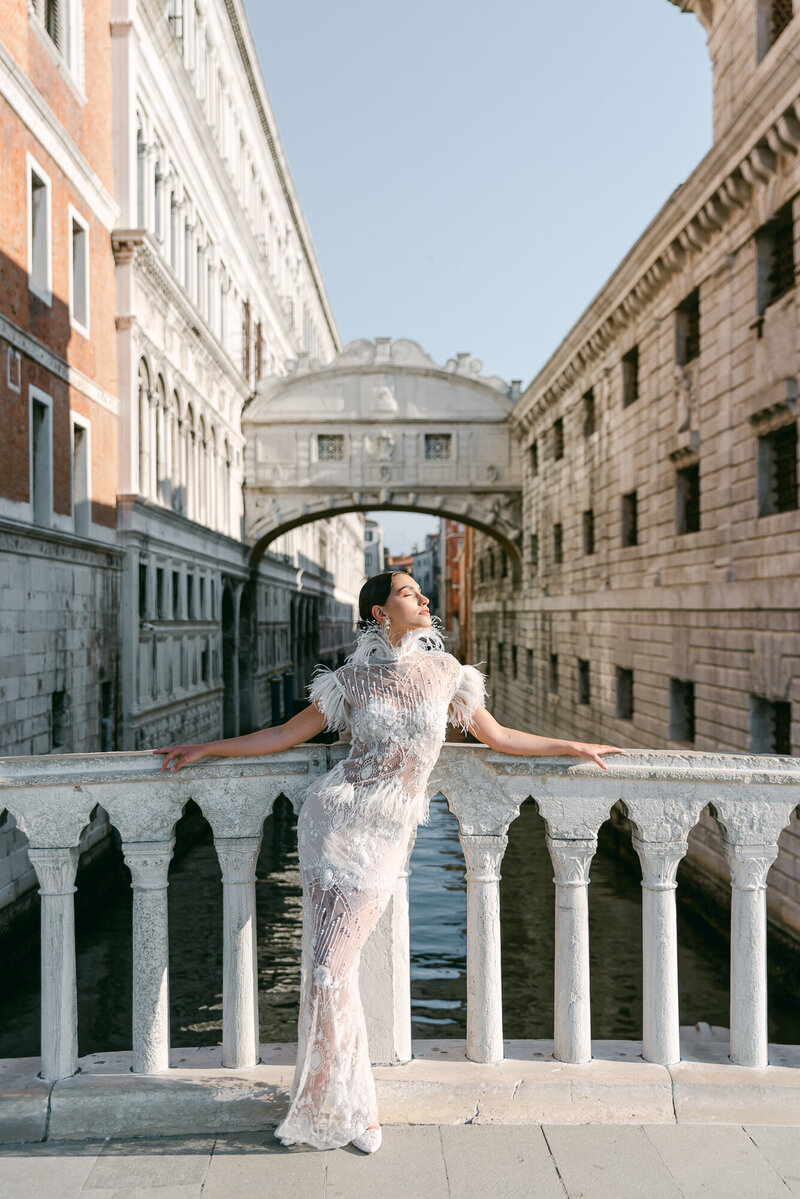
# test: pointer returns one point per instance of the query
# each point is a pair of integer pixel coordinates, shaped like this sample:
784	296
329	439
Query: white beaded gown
353	834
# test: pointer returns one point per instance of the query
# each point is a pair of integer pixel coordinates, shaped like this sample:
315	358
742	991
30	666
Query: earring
386	626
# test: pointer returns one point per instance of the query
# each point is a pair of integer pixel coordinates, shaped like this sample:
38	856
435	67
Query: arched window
213	480
226	487
157	185
144	428
178	488
162	481
191	465
202	473
141	161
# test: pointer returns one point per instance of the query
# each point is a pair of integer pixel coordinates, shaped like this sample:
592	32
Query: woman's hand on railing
591	753
182	755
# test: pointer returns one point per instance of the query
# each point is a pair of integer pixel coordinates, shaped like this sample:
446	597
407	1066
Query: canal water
438	945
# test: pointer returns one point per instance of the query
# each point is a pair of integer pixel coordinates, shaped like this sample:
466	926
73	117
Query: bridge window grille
687	329
687	499
775	258
558	438
437	447
630	534
513	661
528	665
534	550
780	16
552	675
624	694
588	531
681	710
533	455
584	690
558	543
630	377
777	471
330	447
588	413
770	726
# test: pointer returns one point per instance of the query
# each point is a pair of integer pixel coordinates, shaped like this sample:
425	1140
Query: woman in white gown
396	692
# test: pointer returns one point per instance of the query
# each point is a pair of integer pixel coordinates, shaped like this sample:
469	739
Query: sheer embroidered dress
353	834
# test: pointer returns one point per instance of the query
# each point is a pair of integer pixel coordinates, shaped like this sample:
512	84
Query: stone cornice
756	143
32	348
137	245
702	9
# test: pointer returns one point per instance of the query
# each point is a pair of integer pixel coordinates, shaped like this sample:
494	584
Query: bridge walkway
588	1161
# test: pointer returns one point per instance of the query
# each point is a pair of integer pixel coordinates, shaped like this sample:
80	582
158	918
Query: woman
397	691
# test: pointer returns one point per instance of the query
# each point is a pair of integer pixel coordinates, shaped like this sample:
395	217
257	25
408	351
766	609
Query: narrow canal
438	945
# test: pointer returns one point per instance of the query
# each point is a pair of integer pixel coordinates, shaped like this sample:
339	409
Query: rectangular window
534	550
528	665
513	661
190	612
41	458
558	543
588	531
552	674
143	591
107	716
81	493
40	267
770	726
775	258
501	658
558	438
584	693
79	273
161	611
204	659
437	447
630	377
330	447
533	457
687	499
630	535
59	732
588	412
176	595
681	710
624	694
687	329
777	471
13	369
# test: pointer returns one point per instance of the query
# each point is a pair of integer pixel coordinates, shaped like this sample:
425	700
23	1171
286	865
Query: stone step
198	1095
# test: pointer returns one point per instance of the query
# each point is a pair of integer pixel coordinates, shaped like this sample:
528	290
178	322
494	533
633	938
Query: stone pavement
584	1161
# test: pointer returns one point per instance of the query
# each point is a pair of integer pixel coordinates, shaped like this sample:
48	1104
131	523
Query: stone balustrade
751	797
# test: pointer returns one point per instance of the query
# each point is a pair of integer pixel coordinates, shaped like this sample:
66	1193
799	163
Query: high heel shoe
369	1141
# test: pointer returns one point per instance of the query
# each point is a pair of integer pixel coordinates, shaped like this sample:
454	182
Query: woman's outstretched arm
513	741
302	727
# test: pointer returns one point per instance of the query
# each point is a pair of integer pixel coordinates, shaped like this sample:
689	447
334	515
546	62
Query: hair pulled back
375	591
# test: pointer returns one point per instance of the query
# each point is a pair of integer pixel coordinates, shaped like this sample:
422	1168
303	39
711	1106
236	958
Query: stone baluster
385	979
240	1031
55	870
750	831
660	1008
148	862
573	1027
483	855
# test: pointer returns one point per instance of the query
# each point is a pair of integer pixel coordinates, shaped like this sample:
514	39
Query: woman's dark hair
375	591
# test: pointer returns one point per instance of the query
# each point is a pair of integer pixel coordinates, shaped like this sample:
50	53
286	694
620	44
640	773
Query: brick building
658	602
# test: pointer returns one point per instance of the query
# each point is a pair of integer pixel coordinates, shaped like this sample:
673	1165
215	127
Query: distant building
400	562
374	550
455	544
426	570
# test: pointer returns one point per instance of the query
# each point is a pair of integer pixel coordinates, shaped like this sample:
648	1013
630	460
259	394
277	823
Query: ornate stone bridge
382	426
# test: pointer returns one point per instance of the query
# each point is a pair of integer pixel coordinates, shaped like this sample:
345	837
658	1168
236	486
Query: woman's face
406	606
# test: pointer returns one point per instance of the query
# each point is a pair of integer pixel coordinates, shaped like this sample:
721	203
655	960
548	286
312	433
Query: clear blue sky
471	176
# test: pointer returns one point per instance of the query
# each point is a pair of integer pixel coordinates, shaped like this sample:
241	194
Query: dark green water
438	947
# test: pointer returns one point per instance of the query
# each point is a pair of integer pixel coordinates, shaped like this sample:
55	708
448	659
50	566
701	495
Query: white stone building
374	549
427	569
217	286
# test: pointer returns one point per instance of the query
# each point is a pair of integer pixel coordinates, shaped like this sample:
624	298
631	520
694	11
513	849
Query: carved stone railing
663	793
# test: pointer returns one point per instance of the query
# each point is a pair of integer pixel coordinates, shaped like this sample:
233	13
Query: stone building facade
658	599
217	287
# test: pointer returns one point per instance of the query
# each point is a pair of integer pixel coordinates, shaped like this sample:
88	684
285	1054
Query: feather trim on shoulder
373	644
327	693
470	695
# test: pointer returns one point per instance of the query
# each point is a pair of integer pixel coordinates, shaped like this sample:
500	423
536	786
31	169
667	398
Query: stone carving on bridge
382	426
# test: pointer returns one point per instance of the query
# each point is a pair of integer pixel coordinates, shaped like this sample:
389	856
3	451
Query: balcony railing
751	798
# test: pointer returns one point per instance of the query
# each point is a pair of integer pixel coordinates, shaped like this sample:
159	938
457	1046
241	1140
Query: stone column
660	1008
483	855
749	866
55	870
385	980
240	1032
148	862
573	1028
